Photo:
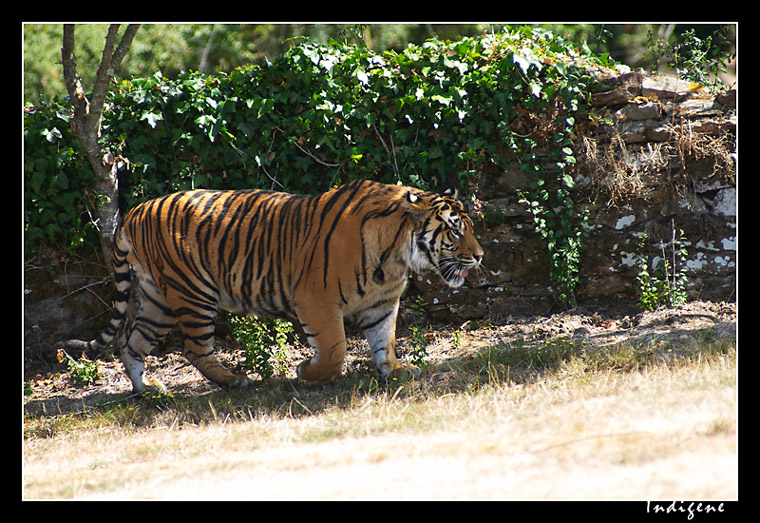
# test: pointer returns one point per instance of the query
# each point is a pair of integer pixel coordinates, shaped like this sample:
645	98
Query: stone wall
659	155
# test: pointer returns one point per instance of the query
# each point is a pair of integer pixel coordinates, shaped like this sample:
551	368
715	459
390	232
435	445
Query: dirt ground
56	391
667	434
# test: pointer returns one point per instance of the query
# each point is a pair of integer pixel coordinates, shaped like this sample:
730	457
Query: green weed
419	343
664	283
264	343
83	371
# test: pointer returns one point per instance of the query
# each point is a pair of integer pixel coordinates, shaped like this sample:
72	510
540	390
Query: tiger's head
444	240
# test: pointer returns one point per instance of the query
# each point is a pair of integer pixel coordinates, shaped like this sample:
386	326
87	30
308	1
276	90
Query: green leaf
535	88
521	62
568	181
362	76
52	135
524	61
152	118
443	100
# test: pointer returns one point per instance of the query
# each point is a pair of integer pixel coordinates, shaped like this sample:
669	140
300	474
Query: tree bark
86	123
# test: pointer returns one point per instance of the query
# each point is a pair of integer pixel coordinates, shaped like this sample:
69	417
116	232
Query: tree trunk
86	123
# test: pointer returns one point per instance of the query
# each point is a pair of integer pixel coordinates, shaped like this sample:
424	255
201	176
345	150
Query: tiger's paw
311	373
405	373
241	382
149	388
154	385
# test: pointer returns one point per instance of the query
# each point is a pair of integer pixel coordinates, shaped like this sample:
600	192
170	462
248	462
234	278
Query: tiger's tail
123	285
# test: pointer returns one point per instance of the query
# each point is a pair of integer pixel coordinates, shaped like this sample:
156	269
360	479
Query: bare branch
124	45
108	65
102	79
70	74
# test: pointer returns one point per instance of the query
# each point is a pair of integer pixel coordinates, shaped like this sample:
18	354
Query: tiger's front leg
325	333
379	327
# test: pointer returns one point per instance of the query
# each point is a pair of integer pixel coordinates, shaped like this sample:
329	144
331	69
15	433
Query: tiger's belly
257	305
365	302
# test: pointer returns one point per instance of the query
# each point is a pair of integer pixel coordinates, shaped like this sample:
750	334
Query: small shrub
264	344
418	340
697	59
419	353
83	372
664	283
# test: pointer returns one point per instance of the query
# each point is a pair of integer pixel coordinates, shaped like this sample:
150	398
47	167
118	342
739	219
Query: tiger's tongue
464	273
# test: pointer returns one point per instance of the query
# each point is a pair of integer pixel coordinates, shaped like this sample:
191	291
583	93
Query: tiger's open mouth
454	272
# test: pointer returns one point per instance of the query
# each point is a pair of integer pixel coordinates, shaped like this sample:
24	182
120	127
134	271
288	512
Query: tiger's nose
478	257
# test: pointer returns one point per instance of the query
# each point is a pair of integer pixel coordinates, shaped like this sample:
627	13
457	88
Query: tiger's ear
451	192
415	205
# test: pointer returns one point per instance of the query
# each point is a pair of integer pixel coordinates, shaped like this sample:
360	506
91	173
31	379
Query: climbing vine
557	98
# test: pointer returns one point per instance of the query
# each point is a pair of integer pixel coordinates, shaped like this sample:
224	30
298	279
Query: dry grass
493	417
618	171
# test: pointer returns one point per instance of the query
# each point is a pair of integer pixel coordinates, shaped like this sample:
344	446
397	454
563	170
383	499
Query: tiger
312	259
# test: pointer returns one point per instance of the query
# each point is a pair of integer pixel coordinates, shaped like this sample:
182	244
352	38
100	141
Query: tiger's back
221	246
312	259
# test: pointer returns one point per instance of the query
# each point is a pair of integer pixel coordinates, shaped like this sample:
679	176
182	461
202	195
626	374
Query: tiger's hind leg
147	323
200	352
198	325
